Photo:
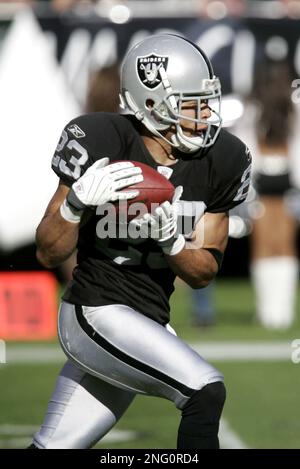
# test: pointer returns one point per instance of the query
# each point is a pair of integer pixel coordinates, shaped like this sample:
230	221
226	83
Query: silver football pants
114	353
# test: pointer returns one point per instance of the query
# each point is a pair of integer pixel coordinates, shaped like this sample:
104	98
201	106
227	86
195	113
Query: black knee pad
203	410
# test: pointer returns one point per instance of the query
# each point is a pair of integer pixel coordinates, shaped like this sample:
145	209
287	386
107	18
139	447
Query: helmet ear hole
149	104
160	112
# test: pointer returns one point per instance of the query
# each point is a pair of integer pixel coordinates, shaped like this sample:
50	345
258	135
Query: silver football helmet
160	74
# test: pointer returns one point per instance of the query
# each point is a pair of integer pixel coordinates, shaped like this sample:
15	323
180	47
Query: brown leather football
153	190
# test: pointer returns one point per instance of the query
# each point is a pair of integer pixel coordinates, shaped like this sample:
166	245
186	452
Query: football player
114	316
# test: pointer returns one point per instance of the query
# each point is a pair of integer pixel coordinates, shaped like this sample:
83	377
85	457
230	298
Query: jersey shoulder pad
231	156
232	170
83	141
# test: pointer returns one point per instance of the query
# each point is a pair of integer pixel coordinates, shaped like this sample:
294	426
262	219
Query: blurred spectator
61	6
218	9
291	8
103	90
203	308
274	266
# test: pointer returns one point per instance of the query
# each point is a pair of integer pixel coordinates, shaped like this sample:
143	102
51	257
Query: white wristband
70	215
176	247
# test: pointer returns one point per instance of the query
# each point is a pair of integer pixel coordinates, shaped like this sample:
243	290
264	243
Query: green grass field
262	406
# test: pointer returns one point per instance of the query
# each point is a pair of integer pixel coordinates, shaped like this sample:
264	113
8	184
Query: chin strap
189	145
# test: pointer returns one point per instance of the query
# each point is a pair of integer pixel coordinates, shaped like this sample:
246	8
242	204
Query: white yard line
12	429
219	351
19	436
245	351
15	443
34	354
229	439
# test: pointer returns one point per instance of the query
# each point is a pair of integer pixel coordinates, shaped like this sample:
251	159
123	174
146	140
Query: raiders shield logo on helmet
148	69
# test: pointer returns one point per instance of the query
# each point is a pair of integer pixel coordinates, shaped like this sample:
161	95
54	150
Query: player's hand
162	225
102	182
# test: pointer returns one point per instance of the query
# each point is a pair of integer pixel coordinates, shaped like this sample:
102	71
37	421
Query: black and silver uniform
118	271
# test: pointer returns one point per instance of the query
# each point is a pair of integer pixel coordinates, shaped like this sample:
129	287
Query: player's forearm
196	267
56	239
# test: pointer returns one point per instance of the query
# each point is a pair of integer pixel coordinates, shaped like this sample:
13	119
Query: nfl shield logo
148	69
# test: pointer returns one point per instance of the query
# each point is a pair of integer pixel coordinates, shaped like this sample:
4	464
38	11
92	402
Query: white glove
101	184
162	225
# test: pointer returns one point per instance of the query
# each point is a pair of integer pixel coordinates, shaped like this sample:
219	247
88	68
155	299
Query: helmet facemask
170	112
160	117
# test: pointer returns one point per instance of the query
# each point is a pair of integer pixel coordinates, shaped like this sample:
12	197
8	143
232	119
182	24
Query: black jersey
134	272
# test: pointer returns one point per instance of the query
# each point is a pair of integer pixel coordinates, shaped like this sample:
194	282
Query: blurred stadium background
53	59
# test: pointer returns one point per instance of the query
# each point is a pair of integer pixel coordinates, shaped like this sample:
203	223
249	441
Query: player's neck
160	150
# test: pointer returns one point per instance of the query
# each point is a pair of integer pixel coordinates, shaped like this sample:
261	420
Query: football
153	190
